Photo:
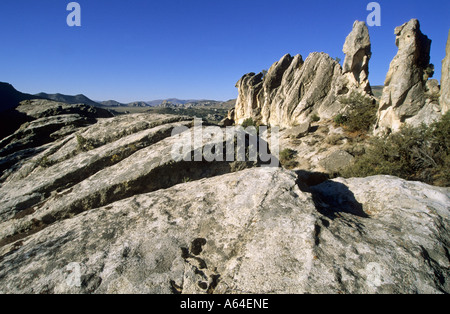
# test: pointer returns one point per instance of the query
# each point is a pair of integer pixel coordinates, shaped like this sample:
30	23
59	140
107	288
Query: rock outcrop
290	92
372	235
445	79
357	49
46	121
293	89
97	164
91	203
405	98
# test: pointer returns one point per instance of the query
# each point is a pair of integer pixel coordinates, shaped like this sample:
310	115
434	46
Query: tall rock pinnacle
404	99
294	89
445	79
357	49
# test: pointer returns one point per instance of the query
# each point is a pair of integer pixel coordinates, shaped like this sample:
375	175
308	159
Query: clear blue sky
146	49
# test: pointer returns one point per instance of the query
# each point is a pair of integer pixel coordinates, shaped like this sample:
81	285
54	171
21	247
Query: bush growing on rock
420	154
84	144
334	139
287	158
340	119
248	122
360	114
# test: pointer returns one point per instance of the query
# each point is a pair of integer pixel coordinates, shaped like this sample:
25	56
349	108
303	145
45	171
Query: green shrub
315	118
115	159
334	139
340	119
287	158
428	72
420	154
84	144
45	162
360	114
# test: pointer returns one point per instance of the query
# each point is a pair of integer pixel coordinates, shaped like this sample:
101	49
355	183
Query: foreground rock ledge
253	231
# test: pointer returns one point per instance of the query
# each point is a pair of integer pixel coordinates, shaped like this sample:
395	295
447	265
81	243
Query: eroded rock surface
290	92
372	235
294	89
404	98
357	49
445	79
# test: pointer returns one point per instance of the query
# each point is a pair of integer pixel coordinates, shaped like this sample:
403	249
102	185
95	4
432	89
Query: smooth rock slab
252	231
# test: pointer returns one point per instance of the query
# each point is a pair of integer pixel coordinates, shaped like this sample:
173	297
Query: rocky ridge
445	79
406	95
105	209
295	89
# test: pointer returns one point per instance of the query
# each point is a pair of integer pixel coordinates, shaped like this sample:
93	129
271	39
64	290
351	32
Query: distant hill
10	97
174	101
377	91
230	103
137	104
77	99
170	102
111	103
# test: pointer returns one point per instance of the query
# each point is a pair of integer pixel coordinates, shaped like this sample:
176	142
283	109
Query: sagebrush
420	153
360	114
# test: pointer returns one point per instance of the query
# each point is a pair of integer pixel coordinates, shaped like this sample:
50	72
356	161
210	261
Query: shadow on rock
330	197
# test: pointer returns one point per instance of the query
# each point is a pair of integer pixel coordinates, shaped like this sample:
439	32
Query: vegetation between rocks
360	114
248	122
420	154
84	144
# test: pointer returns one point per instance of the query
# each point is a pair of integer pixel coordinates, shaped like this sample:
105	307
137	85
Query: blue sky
144	50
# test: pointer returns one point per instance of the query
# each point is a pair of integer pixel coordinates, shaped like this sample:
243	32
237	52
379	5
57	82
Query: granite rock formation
357	49
405	98
372	235
294	89
445	79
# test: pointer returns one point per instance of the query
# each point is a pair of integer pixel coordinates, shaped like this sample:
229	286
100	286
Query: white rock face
445	79
357	49
106	208
293	90
253	231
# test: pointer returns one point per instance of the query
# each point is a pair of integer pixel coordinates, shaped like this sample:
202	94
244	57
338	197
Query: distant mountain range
82	99
77	99
10	97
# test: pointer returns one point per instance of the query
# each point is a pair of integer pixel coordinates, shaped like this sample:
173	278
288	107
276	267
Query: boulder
336	161
299	130
371	235
226	122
